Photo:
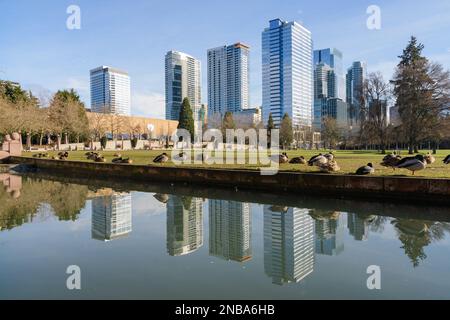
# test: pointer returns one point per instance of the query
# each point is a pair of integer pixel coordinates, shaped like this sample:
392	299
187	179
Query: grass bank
349	161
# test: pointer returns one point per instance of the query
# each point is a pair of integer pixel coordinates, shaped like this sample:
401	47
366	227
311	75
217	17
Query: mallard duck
429	158
447	159
391	160
117	160
330	166
127	161
162	158
100	159
182	156
366	170
413	164
298	160
317	160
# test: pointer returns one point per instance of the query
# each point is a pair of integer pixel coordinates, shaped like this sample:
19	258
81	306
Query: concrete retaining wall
404	188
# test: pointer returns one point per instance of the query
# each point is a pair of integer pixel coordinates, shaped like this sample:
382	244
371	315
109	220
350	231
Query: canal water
180	242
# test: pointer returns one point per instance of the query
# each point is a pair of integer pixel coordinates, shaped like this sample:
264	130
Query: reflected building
329	231
288	244
358	226
184	225
230	230
111	216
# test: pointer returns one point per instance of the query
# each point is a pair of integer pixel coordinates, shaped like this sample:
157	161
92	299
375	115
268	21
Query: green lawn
349	161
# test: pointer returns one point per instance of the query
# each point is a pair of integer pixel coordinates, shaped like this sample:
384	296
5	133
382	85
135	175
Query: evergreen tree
286	132
421	90
186	119
270	127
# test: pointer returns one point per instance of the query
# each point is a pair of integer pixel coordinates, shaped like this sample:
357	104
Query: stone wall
404	188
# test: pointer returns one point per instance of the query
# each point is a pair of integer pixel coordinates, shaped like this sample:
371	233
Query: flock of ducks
324	162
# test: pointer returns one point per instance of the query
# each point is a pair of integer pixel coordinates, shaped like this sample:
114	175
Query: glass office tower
287	72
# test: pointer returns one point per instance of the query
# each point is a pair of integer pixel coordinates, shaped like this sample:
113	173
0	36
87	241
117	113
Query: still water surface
167	242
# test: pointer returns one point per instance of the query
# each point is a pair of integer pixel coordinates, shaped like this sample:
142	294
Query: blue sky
37	50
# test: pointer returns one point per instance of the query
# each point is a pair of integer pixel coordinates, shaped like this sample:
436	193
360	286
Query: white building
110	91
228	78
287	73
183	78
288	244
111	216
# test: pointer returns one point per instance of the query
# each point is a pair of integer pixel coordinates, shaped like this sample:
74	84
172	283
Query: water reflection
288	244
111	215
230	230
184	225
292	236
329	231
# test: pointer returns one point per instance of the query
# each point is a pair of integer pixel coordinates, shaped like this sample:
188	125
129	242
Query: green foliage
186	119
270	123
286	132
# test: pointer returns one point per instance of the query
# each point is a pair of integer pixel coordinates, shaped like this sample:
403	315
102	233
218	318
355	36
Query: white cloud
148	104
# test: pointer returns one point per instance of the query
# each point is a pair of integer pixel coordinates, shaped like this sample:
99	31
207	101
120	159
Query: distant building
228	78
394	116
110	91
288	244
111	216
184	225
355	78
358	226
287	73
183	78
230	230
333	58
329	237
247	118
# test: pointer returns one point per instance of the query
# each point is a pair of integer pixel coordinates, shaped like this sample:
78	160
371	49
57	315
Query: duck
413	164
447	159
298	160
330	166
100	159
117	155
391	160
182	156
366	170
127	161
161	197
162	158
280	158
429	158
329	156
317	160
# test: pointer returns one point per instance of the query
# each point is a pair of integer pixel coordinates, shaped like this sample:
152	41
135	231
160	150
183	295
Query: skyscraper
183	73
184	225
228	78
287	72
329	88
329	230
356	76
110	91
230	230
288	244
111	216
333	58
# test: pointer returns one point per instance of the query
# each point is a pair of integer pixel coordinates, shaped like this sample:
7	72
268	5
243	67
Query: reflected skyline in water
289	244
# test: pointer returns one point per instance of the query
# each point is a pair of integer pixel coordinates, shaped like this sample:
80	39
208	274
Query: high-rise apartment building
287	73
356	76
288	244
111	216
183	78
228	79
184	225
230	230
110	91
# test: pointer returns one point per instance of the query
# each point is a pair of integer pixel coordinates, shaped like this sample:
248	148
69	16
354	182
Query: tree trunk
66	138
58	141
41	138
28	146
